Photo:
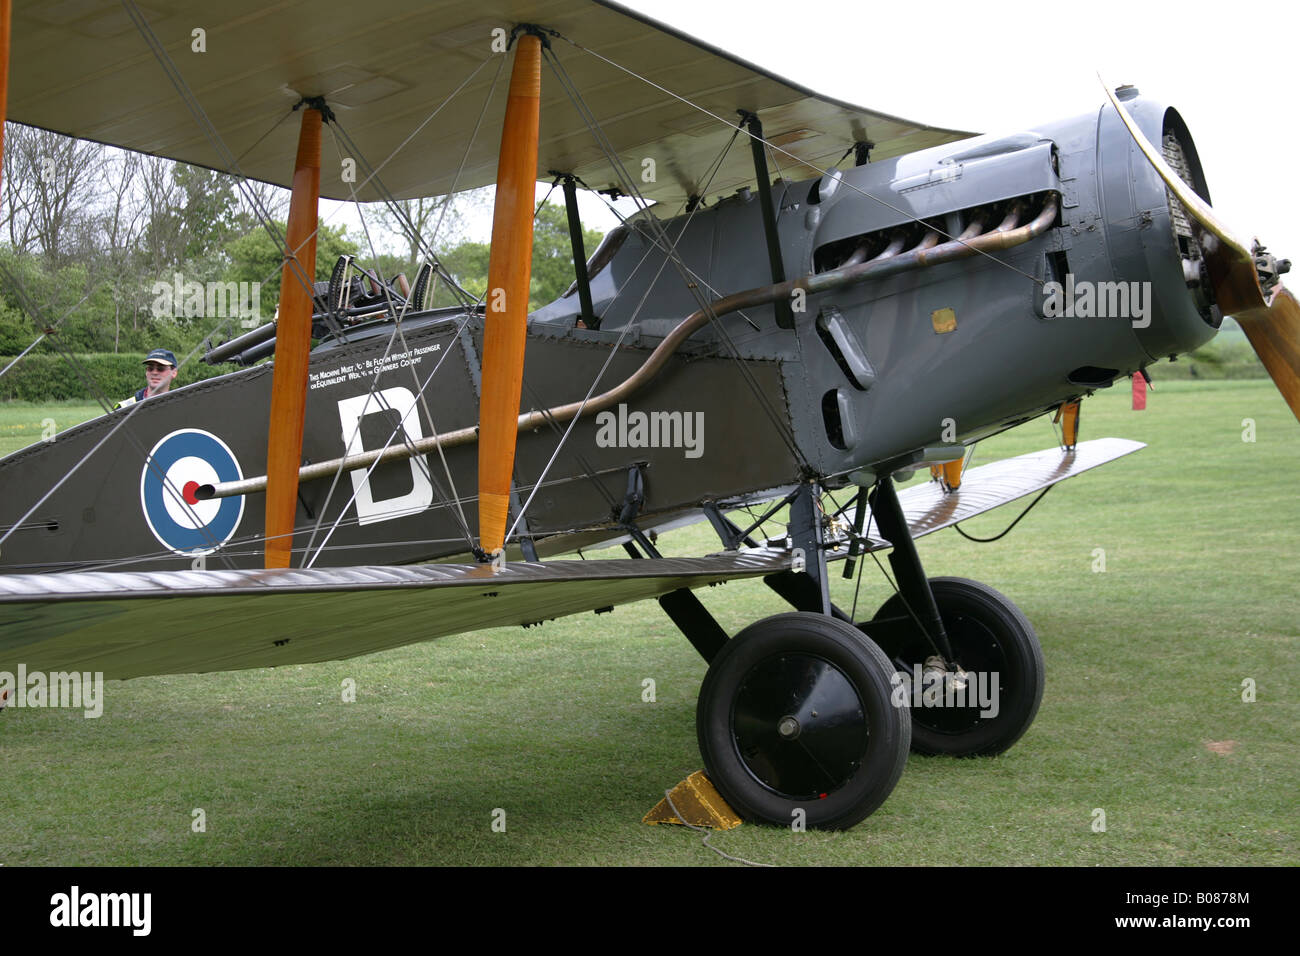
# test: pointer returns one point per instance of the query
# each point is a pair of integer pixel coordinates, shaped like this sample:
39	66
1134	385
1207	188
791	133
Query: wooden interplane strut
509	275
292	347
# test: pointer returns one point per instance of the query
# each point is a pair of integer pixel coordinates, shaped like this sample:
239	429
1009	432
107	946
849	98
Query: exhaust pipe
926	253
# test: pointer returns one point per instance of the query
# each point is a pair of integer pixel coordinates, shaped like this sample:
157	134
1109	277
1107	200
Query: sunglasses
156	367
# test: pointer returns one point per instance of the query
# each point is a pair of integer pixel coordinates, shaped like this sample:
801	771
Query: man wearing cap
159	371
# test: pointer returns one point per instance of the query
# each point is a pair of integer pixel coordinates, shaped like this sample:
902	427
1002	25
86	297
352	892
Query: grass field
1142	717
23	424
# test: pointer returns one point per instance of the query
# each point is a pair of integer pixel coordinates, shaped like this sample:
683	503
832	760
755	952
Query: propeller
1269	317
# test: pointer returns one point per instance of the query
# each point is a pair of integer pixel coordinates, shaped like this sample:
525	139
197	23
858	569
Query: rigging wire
398	315
421	388
231	546
398	211
214	139
671	252
865	539
411	231
1007	530
33	310
671	245
693	281
254	202
169	487
343	511
902	212
587	471
232	164
92	387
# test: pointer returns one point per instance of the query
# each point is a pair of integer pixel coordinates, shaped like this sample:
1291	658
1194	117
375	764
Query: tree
191	214
468	264
93	229
209	214
50	184
553	269
257	197
255	257
16	329
122	223
425	214
43	294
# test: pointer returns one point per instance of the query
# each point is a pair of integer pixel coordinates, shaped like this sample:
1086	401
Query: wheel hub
799	726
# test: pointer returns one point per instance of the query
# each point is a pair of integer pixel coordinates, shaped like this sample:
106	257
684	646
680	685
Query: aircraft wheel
993	643
795	714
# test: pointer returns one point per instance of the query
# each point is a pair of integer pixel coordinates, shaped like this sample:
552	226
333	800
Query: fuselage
838	381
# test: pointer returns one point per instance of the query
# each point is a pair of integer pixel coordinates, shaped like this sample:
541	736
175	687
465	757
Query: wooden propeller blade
1197	207
1272	326
1274	334
1228	260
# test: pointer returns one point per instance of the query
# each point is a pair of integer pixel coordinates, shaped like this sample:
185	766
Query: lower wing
170	622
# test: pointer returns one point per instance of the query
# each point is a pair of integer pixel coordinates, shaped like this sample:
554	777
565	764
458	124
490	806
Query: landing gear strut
968	660
804	717
988	693
971	663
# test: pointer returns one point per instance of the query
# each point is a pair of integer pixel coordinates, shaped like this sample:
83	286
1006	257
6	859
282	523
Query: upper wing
384	66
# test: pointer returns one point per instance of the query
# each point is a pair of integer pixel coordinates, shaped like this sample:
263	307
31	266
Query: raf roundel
172	473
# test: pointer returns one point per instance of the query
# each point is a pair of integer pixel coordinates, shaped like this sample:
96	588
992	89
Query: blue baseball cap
161	355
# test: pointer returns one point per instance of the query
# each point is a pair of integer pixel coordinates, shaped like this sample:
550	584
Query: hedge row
50	378
1186	369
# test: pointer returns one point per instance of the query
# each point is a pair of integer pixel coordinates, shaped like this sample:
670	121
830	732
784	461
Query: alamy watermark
53	689
127	910
638	429
1084	299
931	685
208	300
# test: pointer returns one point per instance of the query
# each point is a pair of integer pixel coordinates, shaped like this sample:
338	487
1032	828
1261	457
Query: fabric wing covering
170	622
384	66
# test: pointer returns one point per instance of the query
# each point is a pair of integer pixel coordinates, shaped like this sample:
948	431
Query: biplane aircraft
792	346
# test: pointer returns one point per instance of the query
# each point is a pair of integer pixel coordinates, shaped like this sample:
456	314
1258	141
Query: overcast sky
1001	67
1230	70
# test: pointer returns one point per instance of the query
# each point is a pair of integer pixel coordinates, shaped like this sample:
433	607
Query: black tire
990	636
848	744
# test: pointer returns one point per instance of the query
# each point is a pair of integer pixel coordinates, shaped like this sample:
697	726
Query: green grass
23	423
1144	668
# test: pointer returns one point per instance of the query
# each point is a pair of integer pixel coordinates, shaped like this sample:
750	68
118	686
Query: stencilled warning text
369	368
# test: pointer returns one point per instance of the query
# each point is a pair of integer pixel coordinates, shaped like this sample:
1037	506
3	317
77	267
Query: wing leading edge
384	66
169	622
175	622
986	487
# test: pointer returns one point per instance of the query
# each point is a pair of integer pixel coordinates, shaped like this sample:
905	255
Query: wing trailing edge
386	66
